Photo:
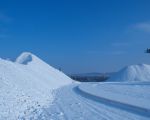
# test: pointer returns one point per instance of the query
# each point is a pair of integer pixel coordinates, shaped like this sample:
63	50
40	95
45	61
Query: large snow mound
139	73
26	86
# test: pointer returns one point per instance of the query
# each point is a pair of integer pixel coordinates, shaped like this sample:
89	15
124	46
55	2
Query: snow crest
24	58
138	73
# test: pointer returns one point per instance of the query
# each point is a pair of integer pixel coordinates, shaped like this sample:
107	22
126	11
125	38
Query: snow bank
132	73
26	86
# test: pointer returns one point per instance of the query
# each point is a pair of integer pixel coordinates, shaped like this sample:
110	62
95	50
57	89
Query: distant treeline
89	78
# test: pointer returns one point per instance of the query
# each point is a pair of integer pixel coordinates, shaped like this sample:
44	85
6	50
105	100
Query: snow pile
26	86
132	73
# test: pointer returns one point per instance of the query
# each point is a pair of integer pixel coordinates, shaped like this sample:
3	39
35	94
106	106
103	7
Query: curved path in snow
113	103
73	104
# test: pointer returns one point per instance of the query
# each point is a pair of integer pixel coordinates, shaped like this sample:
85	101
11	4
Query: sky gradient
77	35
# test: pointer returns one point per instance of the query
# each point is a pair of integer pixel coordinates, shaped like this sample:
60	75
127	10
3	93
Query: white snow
30	89
133	73
26	86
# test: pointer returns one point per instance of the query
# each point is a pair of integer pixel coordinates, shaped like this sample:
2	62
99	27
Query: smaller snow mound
24	58
140	72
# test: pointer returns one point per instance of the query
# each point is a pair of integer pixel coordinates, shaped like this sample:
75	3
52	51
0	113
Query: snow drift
26	86
139	73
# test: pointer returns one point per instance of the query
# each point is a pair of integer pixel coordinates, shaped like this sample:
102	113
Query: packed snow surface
73	103
26	86
140	72
135	94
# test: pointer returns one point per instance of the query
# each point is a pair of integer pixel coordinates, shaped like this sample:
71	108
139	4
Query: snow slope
140	72
46	74
26	86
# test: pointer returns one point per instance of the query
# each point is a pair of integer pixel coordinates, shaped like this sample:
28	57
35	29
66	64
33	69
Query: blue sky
77	35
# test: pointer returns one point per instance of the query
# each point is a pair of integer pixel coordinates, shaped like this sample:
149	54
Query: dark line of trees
89	78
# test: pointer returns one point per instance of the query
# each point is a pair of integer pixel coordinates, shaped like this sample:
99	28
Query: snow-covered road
72	104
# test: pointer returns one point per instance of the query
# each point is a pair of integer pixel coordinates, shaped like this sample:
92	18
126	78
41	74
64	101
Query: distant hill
132	73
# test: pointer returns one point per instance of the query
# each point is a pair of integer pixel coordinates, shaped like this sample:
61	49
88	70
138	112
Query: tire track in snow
63	112
127	107
90	107
82	107
58	104
103	110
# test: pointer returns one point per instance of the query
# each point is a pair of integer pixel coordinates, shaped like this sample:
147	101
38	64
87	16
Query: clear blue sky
78	35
